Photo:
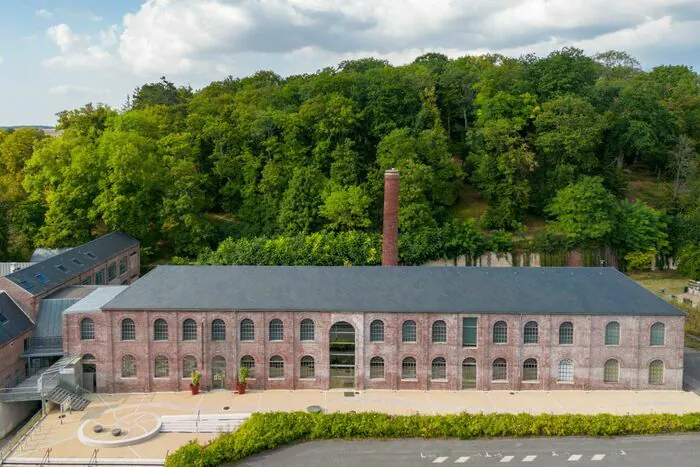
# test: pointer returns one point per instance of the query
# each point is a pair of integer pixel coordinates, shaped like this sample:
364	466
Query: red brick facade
588	352
11	363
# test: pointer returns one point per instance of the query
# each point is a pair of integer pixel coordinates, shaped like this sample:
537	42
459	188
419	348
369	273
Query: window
77	261
189	366
128	366
439	333
88	357
276	330
100	277
612	333
408	368
611	371
247	330
408	331
189	330
438	369
111	271
160	330
218	330
376	367
307	368
500	333
62	268
87	280
3	319
376	333
306	330
276	367
566	371
658	331
128	330
656	372
90	255
25	343
248	362
530	335
499	370
26	284
41	278
566	333
87	329
469	373
161	367
123	265
530	370
469	332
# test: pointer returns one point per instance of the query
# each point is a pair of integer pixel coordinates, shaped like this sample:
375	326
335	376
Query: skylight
42	278
77	261
26	284
61	268
90	255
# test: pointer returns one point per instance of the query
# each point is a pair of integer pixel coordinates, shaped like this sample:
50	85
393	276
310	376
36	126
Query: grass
645	186
470	204
670	282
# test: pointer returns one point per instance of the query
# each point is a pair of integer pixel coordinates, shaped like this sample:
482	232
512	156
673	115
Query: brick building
380	327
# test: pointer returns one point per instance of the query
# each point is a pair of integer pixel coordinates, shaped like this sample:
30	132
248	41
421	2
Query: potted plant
242	380
194	385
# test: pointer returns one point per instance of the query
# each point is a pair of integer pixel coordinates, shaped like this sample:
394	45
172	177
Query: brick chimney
390	231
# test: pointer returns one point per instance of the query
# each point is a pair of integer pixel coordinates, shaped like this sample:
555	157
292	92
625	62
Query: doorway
469	373
218	371
342	355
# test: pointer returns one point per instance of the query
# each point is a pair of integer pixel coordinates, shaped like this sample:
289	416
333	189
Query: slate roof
13	322
46	275
96	300
42	254
587	291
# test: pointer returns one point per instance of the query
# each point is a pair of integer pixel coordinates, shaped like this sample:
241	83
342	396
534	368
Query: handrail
47	457
17	439
93	457
196	425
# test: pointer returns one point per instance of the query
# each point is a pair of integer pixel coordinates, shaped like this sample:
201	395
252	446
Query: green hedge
265	431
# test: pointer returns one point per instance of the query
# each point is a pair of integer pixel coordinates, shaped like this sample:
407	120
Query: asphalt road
657	451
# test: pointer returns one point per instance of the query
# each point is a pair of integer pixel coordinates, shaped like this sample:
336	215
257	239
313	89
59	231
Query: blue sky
61	54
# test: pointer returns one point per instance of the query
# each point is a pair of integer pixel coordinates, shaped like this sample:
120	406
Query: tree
689	261
163	92
683	164
639	228
299	212
565	71
345	208
584	211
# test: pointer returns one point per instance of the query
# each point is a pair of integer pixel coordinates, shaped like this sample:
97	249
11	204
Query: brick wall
588	352
11	361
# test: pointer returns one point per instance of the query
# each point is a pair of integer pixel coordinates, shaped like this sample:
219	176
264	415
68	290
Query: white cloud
66	89
78	51
42	13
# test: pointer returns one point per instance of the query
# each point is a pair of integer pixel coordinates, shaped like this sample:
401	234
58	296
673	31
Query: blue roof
589	291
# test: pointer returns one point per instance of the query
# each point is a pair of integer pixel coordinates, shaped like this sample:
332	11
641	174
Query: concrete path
660	451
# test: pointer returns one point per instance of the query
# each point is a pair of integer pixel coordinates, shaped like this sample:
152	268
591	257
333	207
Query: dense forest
274	170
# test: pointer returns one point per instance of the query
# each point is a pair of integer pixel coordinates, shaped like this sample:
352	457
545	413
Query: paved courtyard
60	435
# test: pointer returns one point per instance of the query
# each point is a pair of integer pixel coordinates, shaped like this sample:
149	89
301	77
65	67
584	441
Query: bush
265	431
640	260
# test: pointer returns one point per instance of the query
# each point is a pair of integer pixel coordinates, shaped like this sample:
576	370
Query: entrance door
89	377
469	373
342	355
218	371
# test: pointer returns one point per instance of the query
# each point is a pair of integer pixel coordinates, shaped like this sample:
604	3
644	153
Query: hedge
263	431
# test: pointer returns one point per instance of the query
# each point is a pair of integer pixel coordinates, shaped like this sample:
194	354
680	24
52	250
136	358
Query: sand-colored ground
136	412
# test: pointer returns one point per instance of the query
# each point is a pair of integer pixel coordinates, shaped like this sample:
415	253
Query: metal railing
44	344
20	435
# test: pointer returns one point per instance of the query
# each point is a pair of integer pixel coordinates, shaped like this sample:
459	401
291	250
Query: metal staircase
71	400
38	386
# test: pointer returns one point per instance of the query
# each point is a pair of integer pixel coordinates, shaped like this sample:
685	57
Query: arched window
161	367
499	370
248	362
307	368
376	367
408	368
376	332
566	333
469	373
189	366
306	330
530	335
189	330
88	357
612	333
657	334
611	371
128	366
530	370
439	332
438	369
276	367
218	330
128	330
500	332
160	330
276	330
656	372
87	329
408	331
566	371
247	330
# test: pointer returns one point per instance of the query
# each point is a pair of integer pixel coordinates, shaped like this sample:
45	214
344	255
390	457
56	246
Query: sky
61	54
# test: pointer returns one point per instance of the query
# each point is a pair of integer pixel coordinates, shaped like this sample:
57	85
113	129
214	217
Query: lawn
669	282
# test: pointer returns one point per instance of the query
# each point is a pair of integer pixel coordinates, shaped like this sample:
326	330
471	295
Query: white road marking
529	458
598	457
440	460
462	460
574	457
506	459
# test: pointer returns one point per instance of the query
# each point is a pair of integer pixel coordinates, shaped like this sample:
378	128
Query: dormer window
41	278
77	261
90	255
61	268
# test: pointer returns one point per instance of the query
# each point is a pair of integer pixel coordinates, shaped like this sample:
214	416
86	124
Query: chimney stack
390	231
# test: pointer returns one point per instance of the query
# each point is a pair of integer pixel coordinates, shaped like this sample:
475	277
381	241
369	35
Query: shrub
263	431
